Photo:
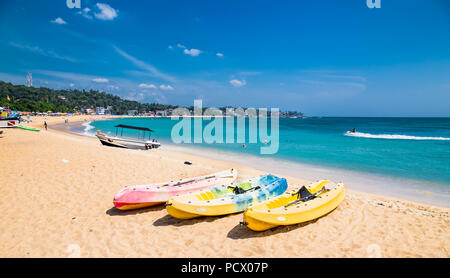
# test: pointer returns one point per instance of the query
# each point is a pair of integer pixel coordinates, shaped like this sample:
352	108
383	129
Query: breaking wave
87	127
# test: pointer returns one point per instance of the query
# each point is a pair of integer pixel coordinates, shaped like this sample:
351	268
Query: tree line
42	99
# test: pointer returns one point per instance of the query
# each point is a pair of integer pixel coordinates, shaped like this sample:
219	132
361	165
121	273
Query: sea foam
87	128
393	136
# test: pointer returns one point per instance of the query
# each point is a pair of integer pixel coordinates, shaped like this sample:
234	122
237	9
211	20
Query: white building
100	110
108	110
162	113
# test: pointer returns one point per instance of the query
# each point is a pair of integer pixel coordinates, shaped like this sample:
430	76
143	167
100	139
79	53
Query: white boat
9	122
129	143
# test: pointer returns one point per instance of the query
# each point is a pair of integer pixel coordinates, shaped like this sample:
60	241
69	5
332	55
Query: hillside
43	99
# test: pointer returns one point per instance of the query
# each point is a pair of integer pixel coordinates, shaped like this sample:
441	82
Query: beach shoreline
63	185
376	184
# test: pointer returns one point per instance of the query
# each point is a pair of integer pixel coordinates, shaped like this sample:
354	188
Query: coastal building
161	113
87	110
108	110
132	112
100	110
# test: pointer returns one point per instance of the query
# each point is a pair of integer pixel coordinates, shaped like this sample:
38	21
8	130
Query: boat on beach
141	196
129	143
301	205
9	118
9	122
223	199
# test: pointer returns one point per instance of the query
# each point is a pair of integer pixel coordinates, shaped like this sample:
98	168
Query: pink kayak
141	196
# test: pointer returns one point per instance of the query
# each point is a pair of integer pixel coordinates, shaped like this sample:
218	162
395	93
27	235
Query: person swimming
353	131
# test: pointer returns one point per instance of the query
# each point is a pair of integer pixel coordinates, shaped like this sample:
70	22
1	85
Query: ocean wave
87	128
393	136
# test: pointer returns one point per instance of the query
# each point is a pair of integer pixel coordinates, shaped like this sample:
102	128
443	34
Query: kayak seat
304	194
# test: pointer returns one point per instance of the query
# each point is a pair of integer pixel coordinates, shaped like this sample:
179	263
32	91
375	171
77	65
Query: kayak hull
131	206
217	201
273	212
179	214
142	196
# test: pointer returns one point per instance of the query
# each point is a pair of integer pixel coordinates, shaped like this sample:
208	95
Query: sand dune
56	201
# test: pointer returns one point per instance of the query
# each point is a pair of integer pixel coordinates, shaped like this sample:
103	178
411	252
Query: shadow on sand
242	232
168	220
116	212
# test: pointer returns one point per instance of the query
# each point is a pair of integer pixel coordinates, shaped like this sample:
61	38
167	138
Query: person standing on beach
45	125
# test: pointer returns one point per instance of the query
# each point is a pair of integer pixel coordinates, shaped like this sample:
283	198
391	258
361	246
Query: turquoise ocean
403	157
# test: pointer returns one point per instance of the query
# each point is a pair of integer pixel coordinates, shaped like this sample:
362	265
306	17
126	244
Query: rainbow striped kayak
225	199
141	196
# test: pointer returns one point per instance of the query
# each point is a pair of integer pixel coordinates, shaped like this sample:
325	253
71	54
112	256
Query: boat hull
9	123
129	206
216	201
126	144
111	144
136	197
273	212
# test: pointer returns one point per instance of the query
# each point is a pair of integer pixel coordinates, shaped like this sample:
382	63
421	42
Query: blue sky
321	57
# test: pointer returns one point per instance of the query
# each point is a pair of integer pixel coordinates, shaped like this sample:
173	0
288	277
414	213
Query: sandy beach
56	201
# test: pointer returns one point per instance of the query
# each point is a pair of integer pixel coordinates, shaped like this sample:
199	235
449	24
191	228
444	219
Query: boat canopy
142	131
134	127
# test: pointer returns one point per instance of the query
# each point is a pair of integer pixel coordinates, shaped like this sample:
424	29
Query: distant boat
128	143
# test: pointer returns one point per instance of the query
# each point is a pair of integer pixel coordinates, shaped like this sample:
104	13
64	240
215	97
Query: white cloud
179	45
170	47
219	55
85	13
193	52
166	87
112	87
237	83
40	51
149	68
106	12
100	80
147	86
58	21
71	85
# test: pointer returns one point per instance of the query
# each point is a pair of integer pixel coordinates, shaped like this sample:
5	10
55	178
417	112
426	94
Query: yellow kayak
222	200
301	205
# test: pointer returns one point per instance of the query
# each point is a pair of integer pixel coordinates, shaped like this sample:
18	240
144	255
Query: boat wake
393	136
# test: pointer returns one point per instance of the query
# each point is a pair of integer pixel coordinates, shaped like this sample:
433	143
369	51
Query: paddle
327	187
237	190
189	181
